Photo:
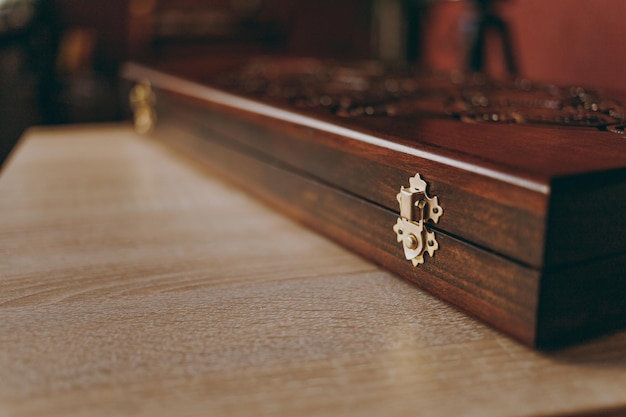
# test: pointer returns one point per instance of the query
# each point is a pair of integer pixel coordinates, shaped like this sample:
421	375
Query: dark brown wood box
532	239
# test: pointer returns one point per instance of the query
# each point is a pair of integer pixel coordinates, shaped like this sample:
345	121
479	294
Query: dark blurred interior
59	58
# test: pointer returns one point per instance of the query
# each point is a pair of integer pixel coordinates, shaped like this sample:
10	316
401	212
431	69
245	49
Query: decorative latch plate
416	207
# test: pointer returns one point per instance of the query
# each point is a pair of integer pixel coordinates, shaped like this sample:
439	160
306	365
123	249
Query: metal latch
142	101
416	207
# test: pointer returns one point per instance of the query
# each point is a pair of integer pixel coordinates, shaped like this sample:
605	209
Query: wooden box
505	199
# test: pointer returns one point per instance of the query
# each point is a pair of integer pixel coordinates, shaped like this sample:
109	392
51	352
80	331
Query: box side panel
582	301
496	215
587	217
499	291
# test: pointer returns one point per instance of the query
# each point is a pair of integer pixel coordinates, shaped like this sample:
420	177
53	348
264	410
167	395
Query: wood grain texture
499	291
505	186
474	204
135	283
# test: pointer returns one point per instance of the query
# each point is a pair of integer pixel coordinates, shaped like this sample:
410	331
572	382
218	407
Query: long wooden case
530	231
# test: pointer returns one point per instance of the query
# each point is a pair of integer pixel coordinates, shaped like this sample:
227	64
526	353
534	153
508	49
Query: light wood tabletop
134	282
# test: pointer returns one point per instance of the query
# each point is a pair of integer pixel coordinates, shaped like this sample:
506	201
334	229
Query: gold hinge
416	207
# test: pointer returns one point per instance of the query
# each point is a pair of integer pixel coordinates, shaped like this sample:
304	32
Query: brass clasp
142	101
416	207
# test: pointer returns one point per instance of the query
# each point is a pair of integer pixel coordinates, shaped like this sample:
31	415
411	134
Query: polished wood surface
133	282
499	180
522	202
474	204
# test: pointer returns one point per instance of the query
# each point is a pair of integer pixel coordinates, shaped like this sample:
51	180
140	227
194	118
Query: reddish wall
571	41
564	41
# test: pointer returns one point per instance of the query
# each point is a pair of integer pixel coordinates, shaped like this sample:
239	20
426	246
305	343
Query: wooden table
133	282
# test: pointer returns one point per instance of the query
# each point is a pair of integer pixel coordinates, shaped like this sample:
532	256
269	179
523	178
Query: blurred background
59	59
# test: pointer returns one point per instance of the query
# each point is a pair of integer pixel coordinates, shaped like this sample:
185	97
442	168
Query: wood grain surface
506	186
135	283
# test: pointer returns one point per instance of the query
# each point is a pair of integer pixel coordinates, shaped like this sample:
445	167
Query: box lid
545	194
